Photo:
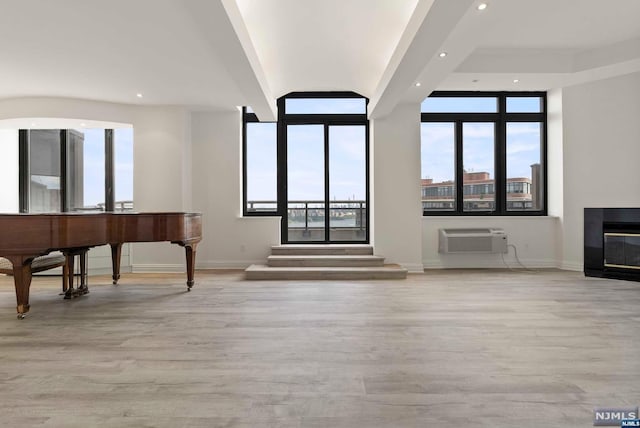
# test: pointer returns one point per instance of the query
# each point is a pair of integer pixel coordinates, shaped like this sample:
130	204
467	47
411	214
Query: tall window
483	153
67	170
123	168
45	170
260	165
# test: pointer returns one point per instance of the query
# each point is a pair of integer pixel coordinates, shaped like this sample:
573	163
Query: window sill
490	218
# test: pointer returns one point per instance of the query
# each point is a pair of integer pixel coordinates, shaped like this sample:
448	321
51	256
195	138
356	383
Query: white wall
9	195
229	239
555	161
395	187
533	237
601	153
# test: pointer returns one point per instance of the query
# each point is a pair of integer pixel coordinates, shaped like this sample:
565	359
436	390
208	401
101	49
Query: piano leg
84	277
65	275
190	251
68	270
116	255
22	282
68	273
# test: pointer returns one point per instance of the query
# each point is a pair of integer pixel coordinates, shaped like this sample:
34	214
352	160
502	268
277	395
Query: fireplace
612	243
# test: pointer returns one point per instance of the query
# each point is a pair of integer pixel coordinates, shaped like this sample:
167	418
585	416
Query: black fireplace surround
612	243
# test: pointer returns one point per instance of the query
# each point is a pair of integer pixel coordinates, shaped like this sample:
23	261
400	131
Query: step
323	260
263	272
326	249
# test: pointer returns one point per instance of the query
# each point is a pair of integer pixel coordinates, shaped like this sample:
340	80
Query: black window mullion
543	156
24	170
327	212
64	182
459	168
500	186
524	117
244	160
281	175
335	119
109	171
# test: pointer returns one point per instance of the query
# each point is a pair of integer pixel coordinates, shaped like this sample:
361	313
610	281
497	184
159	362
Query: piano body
26	236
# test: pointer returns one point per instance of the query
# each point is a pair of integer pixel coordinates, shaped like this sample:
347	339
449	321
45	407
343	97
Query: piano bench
39	264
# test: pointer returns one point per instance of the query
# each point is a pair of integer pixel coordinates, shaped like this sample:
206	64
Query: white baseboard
489	264
150	268
108	270
573	266
229	264
413	267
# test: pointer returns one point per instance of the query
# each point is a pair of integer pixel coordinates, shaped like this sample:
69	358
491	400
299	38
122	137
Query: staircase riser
322	251
326	263
324	275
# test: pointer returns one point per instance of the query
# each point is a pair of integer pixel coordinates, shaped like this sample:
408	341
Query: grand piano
24	237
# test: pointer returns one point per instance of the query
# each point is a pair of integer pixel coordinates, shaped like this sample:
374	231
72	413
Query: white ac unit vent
454	241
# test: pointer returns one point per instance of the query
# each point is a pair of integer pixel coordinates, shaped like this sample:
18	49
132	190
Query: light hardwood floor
477	348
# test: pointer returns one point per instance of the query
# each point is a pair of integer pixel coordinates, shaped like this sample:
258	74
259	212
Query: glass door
306	213
326	184
347	183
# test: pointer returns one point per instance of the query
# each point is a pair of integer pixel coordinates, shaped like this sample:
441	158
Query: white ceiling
329	45
544	44
110	50
218	54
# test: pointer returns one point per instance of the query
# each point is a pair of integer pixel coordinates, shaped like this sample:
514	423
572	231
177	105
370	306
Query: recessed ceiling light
418	83
482	6
139	95
33	124
442	54
516	80
83	124
475	80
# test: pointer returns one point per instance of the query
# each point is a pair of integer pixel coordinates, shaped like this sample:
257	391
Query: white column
395	187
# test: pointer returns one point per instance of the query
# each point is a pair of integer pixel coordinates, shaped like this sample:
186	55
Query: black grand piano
24	237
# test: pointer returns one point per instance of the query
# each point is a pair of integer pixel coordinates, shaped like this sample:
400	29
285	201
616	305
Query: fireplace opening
622	250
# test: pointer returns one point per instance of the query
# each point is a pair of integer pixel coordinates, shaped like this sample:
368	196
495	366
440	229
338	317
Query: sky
94	172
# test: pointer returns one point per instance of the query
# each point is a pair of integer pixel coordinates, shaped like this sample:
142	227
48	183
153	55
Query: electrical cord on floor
515	252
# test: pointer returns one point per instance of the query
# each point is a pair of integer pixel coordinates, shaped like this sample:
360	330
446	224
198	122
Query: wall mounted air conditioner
456	241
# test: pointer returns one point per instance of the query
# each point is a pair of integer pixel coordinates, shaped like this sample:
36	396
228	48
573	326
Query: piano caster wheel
21	316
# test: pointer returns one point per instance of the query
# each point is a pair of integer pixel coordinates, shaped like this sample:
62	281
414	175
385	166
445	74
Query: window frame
25	173
248	117
326	120
500	120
